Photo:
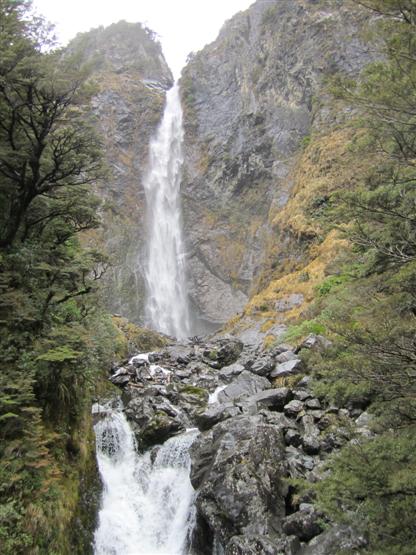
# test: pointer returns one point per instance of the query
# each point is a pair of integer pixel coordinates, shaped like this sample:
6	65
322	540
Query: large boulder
245	385
238	469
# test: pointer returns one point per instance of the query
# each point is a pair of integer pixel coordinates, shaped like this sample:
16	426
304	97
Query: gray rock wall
250	98
131	77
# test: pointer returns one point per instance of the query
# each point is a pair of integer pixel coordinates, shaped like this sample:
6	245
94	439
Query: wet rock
244	385
238	468
288	368
293	408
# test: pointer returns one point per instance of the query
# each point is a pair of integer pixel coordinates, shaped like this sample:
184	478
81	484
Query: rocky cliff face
251	100
131	77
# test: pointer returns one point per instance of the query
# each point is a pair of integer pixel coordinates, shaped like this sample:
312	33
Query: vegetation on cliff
54	339
364	299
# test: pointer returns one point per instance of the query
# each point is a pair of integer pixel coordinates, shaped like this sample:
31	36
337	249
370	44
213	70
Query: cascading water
166	304
147	506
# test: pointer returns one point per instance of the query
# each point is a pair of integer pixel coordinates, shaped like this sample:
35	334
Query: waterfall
166	303
147	503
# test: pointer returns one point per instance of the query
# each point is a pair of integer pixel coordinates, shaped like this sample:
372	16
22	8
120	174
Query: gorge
208	286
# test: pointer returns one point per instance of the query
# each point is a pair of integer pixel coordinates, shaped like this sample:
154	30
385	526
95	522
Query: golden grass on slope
328	164
295	283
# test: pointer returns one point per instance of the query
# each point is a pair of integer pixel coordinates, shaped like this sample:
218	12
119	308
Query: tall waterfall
147	504
166	304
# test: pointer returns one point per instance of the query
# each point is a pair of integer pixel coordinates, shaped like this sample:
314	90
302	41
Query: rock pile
260	425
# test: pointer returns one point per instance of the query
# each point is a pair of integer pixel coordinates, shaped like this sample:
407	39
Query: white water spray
147	507
166	304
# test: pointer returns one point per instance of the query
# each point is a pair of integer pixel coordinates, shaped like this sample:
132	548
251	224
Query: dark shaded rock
288	368
245	385
293	437
304	523
229	351
334	540
311	445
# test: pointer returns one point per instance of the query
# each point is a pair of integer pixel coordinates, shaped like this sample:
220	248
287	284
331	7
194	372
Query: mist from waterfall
166	307
147	504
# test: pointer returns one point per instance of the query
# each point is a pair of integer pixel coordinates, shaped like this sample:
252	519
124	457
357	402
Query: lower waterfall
147	501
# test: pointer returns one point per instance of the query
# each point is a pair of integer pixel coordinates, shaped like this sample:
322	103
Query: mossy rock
132	339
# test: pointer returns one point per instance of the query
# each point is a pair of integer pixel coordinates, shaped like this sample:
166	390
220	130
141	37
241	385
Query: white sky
183	26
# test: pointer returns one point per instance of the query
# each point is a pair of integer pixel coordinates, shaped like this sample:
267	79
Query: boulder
316	342
285	357
272	399
262	366
334	540
238	468
304	524
288	368
229	372
245	385
293	408
216	413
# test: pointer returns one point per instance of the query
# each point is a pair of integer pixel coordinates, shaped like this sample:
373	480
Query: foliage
369	312
373	487
54	337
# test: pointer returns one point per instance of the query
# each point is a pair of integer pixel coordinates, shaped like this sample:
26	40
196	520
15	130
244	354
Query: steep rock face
131	77
250	99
